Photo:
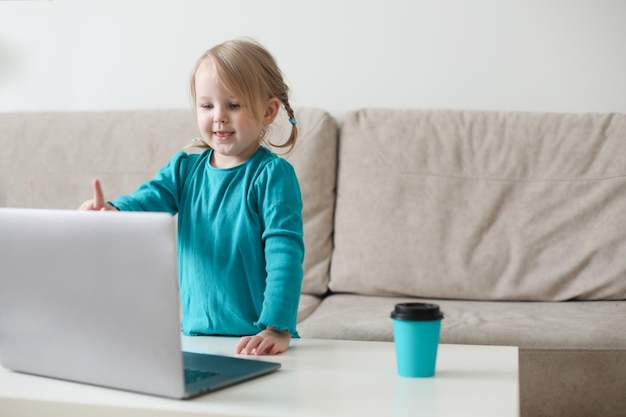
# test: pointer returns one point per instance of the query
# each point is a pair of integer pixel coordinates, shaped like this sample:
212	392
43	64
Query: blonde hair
250	72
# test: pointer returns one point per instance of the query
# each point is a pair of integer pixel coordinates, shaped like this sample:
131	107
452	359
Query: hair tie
293	121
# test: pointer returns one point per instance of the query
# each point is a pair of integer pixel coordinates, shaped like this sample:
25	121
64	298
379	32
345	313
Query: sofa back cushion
481	205
48	159
314	159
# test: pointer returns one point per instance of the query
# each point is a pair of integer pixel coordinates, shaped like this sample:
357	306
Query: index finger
98	196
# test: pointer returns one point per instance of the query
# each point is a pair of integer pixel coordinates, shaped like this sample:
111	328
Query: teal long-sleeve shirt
240	240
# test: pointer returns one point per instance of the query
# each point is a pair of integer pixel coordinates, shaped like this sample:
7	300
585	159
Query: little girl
240	238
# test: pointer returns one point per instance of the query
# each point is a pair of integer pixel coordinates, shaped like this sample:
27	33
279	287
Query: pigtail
291	142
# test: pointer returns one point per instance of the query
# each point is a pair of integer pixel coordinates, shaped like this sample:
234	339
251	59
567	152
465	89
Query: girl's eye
234	105
206	106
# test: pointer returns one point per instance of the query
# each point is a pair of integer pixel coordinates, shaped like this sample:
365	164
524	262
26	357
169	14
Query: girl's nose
220	117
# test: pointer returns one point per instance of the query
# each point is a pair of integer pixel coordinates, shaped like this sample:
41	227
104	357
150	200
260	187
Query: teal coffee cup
416	329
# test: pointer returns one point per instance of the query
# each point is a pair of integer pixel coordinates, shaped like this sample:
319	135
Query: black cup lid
416	312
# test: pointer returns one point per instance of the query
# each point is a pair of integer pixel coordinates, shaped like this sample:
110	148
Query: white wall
535	55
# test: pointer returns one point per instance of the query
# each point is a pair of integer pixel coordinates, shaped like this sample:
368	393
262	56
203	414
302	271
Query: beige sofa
514	223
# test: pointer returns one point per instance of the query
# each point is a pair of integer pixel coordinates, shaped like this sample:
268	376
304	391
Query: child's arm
280	205
267	342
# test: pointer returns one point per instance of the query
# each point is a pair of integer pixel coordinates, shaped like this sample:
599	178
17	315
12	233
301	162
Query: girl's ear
271	110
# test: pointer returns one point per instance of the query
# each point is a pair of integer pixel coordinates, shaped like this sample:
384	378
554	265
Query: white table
317	378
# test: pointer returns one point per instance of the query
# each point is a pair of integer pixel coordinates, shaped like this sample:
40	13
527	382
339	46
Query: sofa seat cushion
572	324
308	304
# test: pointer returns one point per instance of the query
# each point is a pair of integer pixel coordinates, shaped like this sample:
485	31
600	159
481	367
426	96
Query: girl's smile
223	136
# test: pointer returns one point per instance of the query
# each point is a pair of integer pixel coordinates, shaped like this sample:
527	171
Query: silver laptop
93	297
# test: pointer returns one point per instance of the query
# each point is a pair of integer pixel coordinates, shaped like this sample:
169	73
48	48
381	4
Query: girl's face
232	131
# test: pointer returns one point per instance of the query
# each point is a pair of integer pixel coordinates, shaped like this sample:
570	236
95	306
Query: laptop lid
93	297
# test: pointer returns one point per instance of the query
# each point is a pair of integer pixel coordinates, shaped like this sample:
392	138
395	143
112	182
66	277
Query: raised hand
98	202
